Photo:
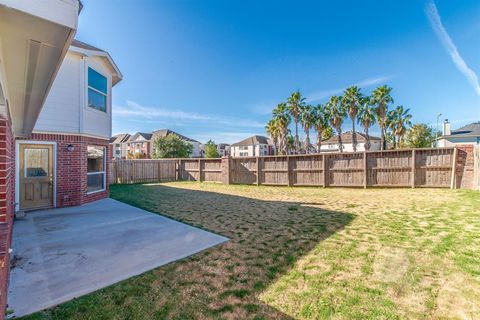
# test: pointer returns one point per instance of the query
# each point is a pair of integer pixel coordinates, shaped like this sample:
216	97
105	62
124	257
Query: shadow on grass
267	238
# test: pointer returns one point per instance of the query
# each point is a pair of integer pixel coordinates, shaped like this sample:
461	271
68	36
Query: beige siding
61	110
66	108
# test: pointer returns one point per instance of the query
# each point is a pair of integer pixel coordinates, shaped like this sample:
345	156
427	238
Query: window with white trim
95	169
97	90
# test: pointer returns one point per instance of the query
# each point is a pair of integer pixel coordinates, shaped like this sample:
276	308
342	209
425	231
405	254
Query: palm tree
392	125
381	98
282	119
366	117
351	101
403	120
274	131
320	123
336	114
295	102
307	118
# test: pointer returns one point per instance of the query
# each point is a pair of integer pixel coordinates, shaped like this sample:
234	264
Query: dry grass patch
304	253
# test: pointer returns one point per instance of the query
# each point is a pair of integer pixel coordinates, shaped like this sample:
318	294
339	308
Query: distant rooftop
120	138
253	140
472	129
347	137
165	132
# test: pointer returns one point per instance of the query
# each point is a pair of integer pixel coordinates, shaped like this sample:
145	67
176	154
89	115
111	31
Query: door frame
17	169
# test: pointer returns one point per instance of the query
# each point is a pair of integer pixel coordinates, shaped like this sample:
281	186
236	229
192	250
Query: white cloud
135	112
437	26
319	95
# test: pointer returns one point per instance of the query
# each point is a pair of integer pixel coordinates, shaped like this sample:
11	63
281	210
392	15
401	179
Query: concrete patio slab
66	253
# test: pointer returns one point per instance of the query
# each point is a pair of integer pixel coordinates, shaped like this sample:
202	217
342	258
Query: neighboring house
331	145
118	146
139	145
469	134
198	148
252	147
223	149
55	114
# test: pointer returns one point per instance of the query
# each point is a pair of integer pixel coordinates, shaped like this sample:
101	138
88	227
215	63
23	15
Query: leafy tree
211	150
337	114
351	101
282	120
307	118
366	117
381	98
274	131
327	132
171	146
392	125
290	142
402	122
419	136
295	102
390	139
399	119
320	123
135	155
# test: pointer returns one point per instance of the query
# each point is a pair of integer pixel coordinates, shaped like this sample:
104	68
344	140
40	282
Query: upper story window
97	90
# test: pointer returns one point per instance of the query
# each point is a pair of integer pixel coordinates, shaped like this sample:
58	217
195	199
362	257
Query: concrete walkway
65	253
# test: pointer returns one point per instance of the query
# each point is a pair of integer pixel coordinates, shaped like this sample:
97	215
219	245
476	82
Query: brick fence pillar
226	167
464	167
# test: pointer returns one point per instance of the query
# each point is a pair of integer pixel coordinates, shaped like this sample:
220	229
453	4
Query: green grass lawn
304	253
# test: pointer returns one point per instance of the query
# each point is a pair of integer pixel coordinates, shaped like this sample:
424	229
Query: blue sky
214	69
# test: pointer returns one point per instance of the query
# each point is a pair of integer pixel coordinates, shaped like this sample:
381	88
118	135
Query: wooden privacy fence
136	171
394	168
159	170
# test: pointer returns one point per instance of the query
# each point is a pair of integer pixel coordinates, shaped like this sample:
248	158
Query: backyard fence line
432	167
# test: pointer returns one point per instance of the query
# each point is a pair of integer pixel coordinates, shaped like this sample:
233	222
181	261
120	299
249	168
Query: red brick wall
71	177
464	167
145	149
7	199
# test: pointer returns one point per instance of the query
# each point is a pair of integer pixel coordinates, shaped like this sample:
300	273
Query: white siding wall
66	110
61	112
450	142
348	147
252	151
197	149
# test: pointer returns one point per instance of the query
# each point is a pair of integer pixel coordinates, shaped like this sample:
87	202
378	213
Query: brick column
464	167
226	166
7	200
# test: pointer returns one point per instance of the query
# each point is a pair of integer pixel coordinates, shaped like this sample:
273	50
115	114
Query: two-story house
252	147
331	145
197	147
139	146
35	49
64	162
223	149
118	146
466	135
